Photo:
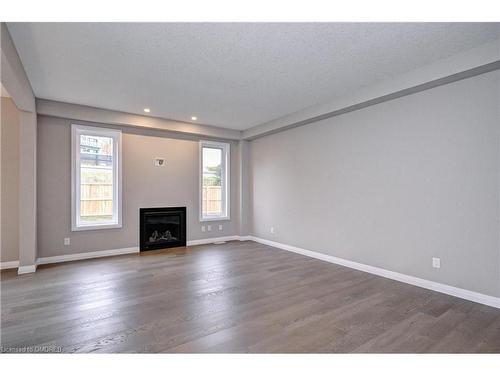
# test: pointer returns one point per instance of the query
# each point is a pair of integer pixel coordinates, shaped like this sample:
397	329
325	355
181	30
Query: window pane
212	181
96	179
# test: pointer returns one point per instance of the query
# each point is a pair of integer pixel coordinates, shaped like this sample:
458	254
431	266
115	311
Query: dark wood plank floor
235	297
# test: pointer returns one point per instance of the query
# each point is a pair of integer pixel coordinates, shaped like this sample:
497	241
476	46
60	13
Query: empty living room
246	186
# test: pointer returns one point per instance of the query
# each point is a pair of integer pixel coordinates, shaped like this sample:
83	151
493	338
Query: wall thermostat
159	162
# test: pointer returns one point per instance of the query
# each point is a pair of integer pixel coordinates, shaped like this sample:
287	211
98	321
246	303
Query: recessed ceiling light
147	110
194	118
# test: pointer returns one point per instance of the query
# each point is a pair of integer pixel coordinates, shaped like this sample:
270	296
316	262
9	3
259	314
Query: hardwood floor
235	297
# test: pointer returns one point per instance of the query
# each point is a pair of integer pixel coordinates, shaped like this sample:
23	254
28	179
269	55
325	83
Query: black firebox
162	227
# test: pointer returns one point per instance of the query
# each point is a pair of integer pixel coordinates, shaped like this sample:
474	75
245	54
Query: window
214	181
95	178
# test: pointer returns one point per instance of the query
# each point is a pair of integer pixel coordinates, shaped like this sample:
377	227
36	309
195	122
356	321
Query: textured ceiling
230	75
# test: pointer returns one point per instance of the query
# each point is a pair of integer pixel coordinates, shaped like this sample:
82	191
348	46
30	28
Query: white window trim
226	178
76	131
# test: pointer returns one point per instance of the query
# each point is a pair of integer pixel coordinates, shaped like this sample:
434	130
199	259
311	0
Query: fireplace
162	227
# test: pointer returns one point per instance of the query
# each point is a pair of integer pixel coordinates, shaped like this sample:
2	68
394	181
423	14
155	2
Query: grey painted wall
392	185
16	82
143	186
13	76
245	189
10	181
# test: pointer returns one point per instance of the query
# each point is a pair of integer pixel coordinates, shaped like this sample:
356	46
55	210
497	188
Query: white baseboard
89	255
127	250
8	265
212	240
427	284
26	269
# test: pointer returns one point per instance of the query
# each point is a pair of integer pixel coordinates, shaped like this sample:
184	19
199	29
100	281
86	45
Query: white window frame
76	131
225	179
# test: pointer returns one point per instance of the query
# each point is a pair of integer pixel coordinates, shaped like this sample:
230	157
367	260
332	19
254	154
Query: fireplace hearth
162	227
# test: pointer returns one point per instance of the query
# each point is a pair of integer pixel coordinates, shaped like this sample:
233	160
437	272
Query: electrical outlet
436	262
209	228
220	226
272	230
67	241
203	228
